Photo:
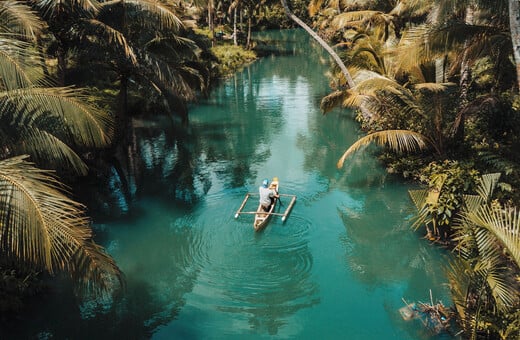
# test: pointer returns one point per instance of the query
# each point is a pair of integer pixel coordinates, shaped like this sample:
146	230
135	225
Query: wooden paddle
279	200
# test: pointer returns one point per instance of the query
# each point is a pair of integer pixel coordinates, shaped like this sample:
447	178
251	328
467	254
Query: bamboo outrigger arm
242	205
254	213
288	210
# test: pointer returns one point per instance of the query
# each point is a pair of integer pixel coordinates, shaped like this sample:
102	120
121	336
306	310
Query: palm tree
460	33
386	108
62	18
152	52
46	122
40	228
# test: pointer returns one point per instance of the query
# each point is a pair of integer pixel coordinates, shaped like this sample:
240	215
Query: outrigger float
262	217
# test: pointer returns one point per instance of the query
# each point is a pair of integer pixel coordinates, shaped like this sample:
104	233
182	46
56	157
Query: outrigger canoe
262	217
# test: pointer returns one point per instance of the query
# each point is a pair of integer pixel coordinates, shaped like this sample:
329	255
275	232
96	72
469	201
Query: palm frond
355	100
175	77
41	227
87	124
48	149
411	8
331	101
369	82
113	36
51	8
167	18
418	47
424	217
374	60
487	185
397	140
178	46
418	197
460	280
16	17
491	270
18	68
354	18
434	87
473	202
94	272
503	224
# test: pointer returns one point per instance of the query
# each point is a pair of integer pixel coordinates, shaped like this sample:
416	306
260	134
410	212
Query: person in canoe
267	195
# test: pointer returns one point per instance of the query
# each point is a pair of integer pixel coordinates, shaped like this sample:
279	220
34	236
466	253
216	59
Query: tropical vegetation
40	227
435	82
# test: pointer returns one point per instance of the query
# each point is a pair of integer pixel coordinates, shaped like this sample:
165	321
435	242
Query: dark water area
337	268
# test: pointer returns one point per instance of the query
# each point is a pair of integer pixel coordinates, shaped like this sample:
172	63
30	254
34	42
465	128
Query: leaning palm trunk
326	46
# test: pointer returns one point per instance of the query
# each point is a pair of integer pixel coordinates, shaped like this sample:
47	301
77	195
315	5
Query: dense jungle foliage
436	82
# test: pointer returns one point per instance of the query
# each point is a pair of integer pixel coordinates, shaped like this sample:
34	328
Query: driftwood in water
435	317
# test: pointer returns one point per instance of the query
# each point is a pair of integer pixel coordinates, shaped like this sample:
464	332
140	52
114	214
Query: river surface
339	267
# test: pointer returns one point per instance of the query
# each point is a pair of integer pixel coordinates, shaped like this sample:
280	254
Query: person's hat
265	183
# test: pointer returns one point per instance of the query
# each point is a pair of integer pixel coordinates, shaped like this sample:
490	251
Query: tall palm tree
40	228
62	18
152	51
458	34
49	123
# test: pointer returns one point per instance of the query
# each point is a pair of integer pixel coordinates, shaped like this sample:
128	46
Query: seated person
267	195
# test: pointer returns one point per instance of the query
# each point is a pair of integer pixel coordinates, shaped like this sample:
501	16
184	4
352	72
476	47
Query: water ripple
264	274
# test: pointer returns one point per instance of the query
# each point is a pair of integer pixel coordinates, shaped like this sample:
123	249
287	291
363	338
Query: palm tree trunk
440	70
334	55
248	43
464	83
61	65
235	41
210	21
514	25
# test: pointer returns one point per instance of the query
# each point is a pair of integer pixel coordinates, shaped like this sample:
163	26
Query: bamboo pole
288	210
259	213
242	205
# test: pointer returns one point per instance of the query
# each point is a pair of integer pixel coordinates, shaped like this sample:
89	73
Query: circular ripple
256	272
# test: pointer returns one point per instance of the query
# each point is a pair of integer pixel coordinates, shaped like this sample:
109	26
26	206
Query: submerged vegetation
435	81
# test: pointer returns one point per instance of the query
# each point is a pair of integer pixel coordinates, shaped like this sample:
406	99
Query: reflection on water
339	267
